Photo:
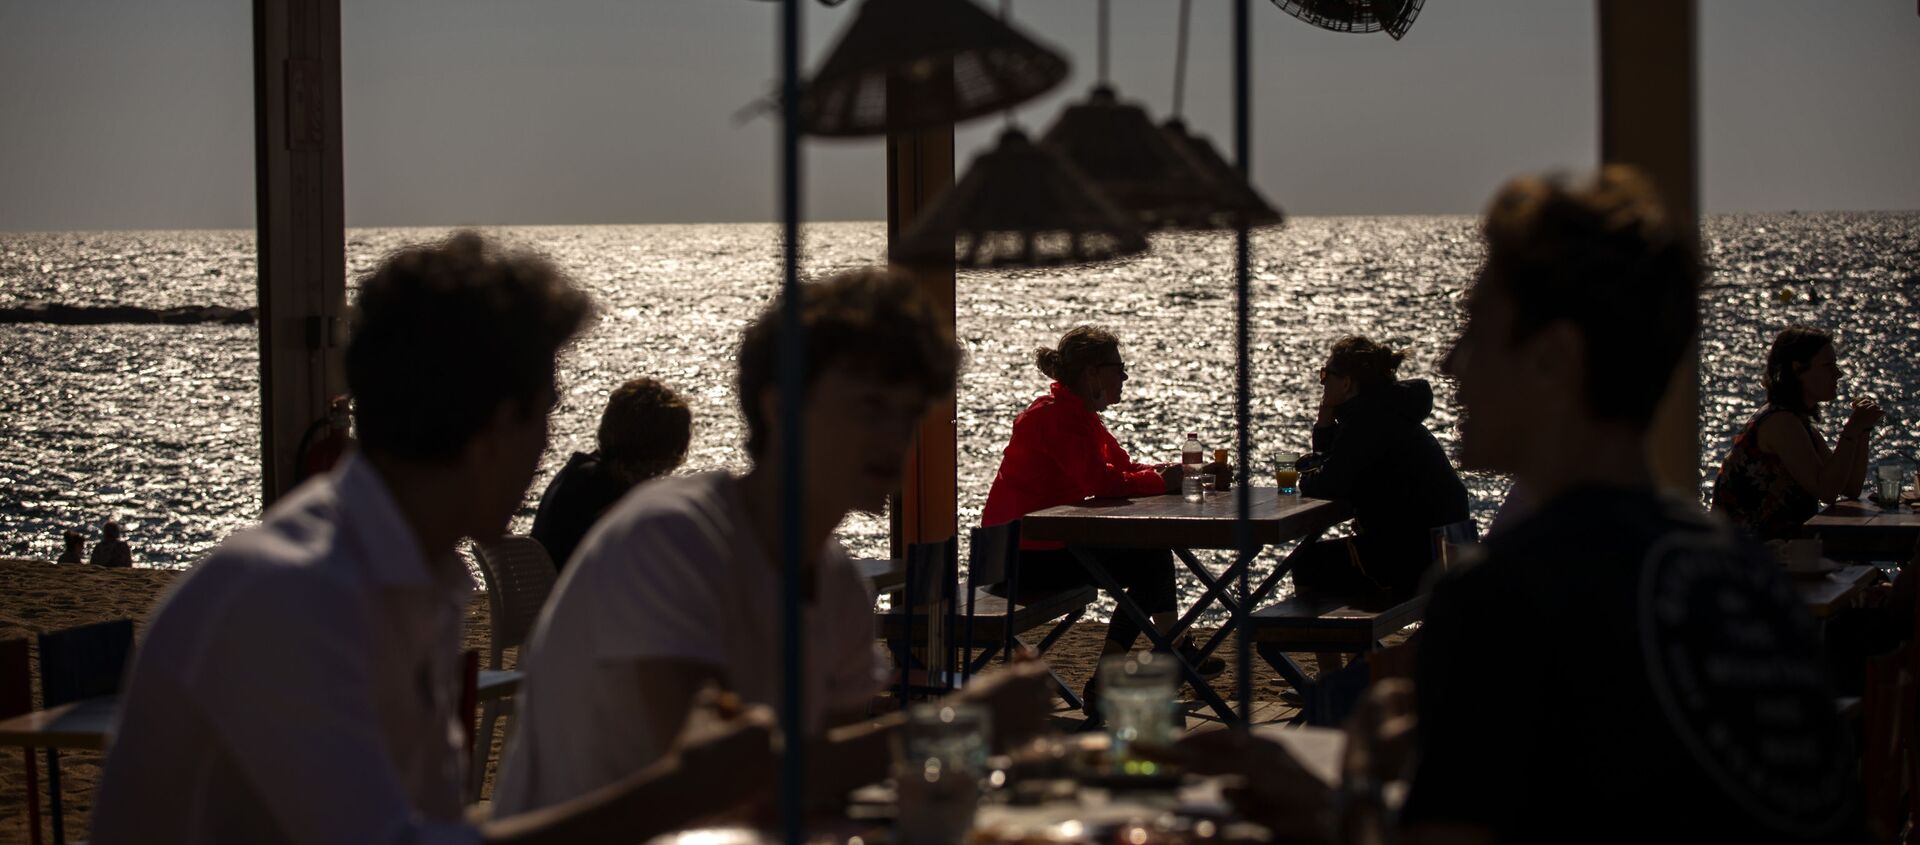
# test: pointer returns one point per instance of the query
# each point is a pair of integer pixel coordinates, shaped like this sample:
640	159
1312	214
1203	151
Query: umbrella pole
1242	255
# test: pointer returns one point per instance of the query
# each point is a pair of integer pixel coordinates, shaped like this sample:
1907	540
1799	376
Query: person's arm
714	767
1346	467
1079	453
1821	473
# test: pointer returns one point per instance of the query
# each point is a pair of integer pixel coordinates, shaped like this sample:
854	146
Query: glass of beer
1286	473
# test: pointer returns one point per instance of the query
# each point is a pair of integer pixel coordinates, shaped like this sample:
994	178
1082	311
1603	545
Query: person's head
110	530
876	356
450	364
1802	371
645	430
1358	365
1579	315
1086	361
73	539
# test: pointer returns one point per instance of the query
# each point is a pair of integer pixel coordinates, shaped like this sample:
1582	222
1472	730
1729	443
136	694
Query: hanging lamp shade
1393	16
1235	199
1019	205
1130	160
910	64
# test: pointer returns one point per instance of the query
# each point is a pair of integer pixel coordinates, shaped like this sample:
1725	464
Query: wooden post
1648	118
919	168
301	223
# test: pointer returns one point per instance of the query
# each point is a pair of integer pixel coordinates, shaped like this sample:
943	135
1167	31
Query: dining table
1863	530
1171	522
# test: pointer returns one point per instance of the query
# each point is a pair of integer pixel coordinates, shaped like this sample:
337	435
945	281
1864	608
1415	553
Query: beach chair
995	612
519	575
922	619
77	664
994	620
16	697
1329	624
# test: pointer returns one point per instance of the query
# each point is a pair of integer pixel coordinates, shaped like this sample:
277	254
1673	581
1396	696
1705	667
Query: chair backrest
991	553
520	576
84	662
1449	539
931	569
16	680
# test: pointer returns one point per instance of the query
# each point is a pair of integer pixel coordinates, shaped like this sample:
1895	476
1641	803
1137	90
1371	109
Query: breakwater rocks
94	315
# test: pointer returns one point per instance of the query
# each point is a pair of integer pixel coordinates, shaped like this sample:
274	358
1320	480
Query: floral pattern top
1755	490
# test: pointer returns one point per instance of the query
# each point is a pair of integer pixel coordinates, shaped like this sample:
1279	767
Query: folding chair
75	664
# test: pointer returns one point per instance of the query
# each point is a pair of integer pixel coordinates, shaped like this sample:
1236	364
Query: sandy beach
36	597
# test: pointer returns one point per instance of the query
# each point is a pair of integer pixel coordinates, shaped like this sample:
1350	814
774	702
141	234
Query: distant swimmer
111	551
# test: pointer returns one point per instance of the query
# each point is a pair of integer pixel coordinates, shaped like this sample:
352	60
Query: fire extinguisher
326	440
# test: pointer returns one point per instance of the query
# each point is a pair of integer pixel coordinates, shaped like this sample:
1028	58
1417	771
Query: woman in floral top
1780	469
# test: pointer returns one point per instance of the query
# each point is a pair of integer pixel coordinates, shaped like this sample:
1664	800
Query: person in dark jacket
1378	457
643	435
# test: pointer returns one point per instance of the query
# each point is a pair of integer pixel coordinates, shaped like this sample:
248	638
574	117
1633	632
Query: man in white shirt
679	585
301	685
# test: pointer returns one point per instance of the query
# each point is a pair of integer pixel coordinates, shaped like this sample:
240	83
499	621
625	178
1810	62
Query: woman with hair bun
1378	457
1061	453
1780	468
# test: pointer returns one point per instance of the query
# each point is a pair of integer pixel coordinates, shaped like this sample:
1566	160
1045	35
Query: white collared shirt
300	685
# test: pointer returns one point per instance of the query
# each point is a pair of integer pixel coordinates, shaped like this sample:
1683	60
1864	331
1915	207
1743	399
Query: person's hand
1380	732
725	743
1866	414
1171	474
1332	397
1018	698
1266	784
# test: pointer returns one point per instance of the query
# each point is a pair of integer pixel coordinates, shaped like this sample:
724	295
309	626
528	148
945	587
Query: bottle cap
1192	436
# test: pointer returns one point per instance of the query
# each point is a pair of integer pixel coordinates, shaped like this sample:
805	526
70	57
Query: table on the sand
1850	530
1830	591
1171	522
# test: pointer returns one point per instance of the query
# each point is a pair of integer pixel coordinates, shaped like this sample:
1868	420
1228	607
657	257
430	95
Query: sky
137	114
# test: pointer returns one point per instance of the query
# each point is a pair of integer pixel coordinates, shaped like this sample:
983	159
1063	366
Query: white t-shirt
672	572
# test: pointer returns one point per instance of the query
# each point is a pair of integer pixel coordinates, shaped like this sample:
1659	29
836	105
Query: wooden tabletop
1170	522
1827	593
1865	516
81	724
1864	531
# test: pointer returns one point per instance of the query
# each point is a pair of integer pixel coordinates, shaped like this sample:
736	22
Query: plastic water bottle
1191	454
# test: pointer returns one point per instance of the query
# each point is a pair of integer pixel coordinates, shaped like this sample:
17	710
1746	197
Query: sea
155	426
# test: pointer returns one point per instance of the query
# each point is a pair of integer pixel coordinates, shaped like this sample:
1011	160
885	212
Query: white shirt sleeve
288	693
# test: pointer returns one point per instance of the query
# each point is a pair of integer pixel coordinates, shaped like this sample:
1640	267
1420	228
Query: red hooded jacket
1061	453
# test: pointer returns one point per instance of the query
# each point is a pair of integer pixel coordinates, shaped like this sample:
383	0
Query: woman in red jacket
1061	453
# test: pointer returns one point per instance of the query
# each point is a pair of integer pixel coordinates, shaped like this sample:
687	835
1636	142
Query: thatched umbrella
1395	17
911	64
1020	205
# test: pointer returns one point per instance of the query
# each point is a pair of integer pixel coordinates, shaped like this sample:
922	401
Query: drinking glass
1136	698
940	762
1190	488
1889	478
1286	473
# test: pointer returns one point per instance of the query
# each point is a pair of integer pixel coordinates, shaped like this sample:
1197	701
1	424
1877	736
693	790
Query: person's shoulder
265	583
677	516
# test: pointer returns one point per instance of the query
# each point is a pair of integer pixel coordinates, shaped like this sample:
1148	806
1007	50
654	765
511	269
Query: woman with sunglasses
1377	456
1061	453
